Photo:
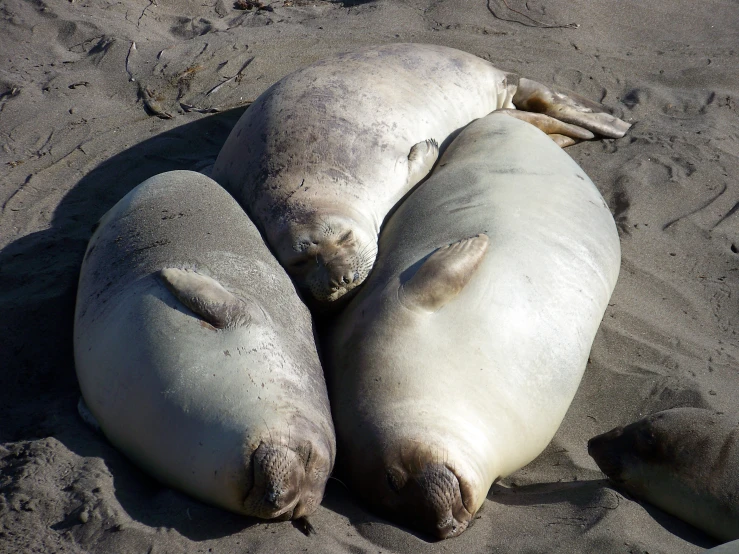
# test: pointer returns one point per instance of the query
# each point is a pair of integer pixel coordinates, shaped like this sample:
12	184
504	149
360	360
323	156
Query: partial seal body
684	461
322	157
457	360
726	548
195	355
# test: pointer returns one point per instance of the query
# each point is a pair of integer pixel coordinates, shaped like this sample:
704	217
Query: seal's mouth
343	291
264	507
440	500
332	301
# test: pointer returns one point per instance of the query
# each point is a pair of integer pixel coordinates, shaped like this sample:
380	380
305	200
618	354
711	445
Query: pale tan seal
456	361
684	461
195	355
322	157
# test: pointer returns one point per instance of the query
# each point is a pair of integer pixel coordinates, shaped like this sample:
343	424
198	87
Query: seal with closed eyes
196	356
320	159
456	361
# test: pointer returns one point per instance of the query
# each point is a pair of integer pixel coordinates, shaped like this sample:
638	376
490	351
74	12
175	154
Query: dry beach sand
79	128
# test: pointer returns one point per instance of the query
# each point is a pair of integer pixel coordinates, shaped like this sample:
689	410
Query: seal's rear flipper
568	107
444	274
562	141
551	126
206	297
87	416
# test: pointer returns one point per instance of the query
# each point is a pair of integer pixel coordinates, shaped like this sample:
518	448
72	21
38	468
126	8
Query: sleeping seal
684	461
195	355
456	361
321	158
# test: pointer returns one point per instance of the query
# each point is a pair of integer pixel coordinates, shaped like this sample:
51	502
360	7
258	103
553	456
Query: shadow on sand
596	495
37	295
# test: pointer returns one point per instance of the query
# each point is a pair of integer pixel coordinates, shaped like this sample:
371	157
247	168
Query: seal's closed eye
301	263
345	238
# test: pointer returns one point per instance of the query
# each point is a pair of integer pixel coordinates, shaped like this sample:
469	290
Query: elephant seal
195	355
685	461
456	361
320	159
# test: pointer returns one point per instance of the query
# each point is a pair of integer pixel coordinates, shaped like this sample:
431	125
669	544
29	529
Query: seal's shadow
593	499
38	282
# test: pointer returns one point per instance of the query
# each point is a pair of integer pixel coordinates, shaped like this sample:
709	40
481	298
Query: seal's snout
289	481
602	449
341	275
600	443
443	501
430	499
276	496
335	277
278	480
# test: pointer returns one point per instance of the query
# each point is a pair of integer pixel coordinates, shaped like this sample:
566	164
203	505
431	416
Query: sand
77	134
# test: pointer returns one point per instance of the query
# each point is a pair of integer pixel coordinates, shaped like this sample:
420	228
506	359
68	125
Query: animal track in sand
189	28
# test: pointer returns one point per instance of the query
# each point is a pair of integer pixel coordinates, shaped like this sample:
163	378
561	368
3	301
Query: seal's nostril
345	280
272	496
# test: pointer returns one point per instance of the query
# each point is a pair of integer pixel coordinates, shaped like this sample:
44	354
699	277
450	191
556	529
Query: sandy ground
76	136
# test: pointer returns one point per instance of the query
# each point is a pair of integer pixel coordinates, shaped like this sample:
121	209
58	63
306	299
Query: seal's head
287	481
326	254
682	460
625	453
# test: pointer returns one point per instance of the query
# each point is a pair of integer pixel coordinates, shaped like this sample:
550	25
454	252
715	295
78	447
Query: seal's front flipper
444	274
550	125
206	297
421	159
568	107
87	416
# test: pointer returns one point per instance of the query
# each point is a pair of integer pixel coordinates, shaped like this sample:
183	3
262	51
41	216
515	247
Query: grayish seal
455	363
322	157
196	356
684	461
